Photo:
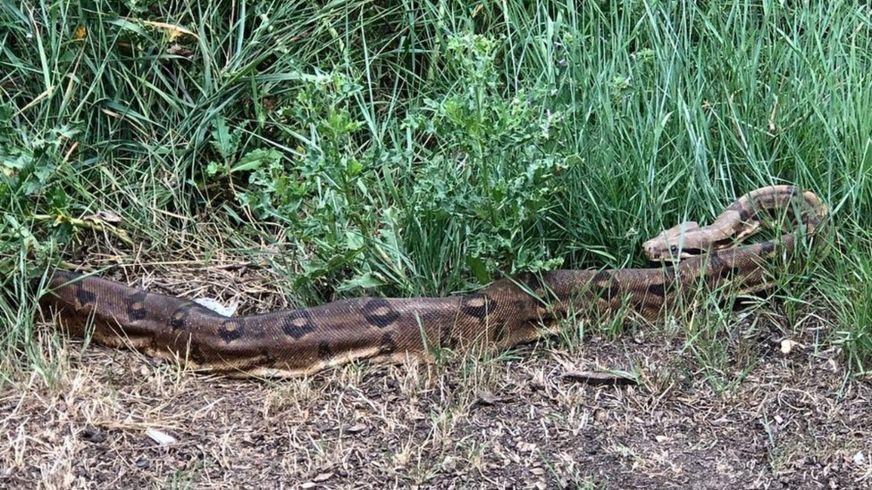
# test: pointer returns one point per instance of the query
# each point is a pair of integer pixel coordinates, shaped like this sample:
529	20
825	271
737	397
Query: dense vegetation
422	148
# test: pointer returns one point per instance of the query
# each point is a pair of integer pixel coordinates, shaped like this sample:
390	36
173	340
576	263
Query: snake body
506	313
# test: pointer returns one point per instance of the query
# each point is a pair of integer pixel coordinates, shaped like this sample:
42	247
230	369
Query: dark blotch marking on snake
720	268
716	262
136	306
387	344
729	272
477	305
656	289
231	330
179	318
536	288
499	331
607	288
533	282
446	333
767	248
297	324
324	351
85	297
266	355
379	312
65	276
746	213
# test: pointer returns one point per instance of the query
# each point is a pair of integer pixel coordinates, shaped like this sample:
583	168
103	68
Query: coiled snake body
506	313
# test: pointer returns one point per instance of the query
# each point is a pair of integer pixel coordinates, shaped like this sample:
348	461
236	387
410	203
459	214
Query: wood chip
354	429
322	477
159	437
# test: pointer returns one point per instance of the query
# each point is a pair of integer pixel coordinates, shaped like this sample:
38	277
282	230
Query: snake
509	311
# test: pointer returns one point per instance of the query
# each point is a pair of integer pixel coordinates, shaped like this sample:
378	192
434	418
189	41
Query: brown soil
779	421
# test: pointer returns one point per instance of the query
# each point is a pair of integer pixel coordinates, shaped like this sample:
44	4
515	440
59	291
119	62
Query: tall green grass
411	148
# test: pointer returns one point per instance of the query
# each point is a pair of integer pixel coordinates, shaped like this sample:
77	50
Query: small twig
97	225
599	378
63	264
230	267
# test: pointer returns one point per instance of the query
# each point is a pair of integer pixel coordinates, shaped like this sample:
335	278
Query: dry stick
89	224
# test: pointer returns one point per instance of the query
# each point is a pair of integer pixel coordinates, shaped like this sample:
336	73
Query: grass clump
423	149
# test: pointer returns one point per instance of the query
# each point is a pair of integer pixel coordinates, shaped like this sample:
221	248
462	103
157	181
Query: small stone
661	439
859	458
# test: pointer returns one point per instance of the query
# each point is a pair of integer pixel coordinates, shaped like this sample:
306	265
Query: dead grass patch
787	420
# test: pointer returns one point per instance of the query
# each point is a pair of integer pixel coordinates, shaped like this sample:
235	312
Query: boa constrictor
506	313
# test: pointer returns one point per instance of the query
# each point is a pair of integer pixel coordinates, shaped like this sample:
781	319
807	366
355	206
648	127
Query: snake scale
506	313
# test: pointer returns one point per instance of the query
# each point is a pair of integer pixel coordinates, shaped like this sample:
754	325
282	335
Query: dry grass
514	421
365	147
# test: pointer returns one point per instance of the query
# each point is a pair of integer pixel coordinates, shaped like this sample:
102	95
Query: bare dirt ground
786	421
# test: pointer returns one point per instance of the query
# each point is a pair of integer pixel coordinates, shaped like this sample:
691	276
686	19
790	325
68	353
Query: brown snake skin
506	313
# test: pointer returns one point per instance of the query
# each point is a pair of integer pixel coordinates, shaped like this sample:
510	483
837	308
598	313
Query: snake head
674	244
